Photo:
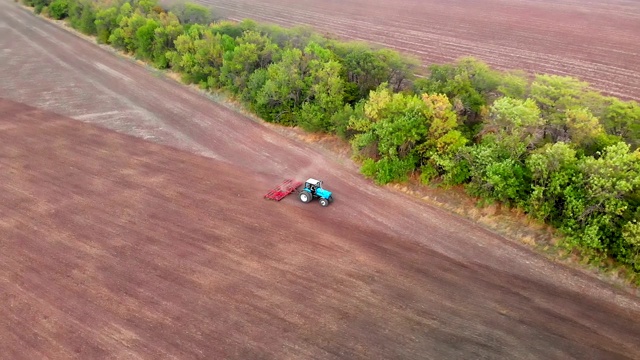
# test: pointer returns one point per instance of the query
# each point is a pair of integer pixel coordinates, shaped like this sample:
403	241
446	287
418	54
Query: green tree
623	119
443	141
340	119
124	37
183	58
38	5
515	122
190	13
87	23
631	246
285	90
325	96
554	96
597	218
402	68
75	8
59	9
164	38
469	83
583	128
106	22
554	173
145	7
514	84
256	82
364	71
233	29
392	127
254	51
498	172
144	38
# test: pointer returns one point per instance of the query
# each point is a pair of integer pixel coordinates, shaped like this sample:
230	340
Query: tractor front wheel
324	202
305	196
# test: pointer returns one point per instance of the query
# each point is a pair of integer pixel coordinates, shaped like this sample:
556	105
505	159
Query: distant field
596	41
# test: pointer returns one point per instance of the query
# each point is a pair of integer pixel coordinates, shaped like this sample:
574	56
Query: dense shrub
59	9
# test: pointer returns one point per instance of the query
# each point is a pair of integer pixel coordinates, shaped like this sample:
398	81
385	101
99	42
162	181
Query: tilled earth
154	240
596	41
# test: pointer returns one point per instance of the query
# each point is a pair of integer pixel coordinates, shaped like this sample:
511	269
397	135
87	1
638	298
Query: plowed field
151	238
596	41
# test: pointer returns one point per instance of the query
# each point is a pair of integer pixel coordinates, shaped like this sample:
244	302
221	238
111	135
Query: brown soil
112	246
593	40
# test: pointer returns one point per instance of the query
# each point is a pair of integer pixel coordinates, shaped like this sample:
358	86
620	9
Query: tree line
547	144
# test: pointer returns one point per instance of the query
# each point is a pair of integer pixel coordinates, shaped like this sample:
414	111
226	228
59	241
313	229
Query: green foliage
59	9
395	121
198	55
87	23
623	119
38	5
391	128
631	246
284	90
554	96
514	84
514	123
340	119
498	172
254	85
144	38
365	69
443	141
297	37
554	173
190	13
388	170
598	213
612	177
469	84
106	21
164	38
232	29
428	172
326	89
74	14
583	128
254	51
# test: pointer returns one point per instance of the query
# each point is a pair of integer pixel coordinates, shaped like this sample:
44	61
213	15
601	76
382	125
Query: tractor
313	190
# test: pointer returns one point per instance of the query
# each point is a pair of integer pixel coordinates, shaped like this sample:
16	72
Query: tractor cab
313	190
313	184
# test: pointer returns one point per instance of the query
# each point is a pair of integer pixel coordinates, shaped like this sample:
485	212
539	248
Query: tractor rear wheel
305	196
324	202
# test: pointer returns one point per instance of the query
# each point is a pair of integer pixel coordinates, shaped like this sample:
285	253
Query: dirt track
594	40
115	246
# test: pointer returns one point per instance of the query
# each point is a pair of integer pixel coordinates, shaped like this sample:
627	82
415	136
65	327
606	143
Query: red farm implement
287	187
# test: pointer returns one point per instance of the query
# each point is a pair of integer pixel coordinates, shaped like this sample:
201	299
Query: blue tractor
313	190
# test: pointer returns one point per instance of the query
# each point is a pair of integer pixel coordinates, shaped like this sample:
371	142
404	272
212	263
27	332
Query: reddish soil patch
113	246
593	40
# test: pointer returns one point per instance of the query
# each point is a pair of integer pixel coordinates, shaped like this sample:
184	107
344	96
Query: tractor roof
313	181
